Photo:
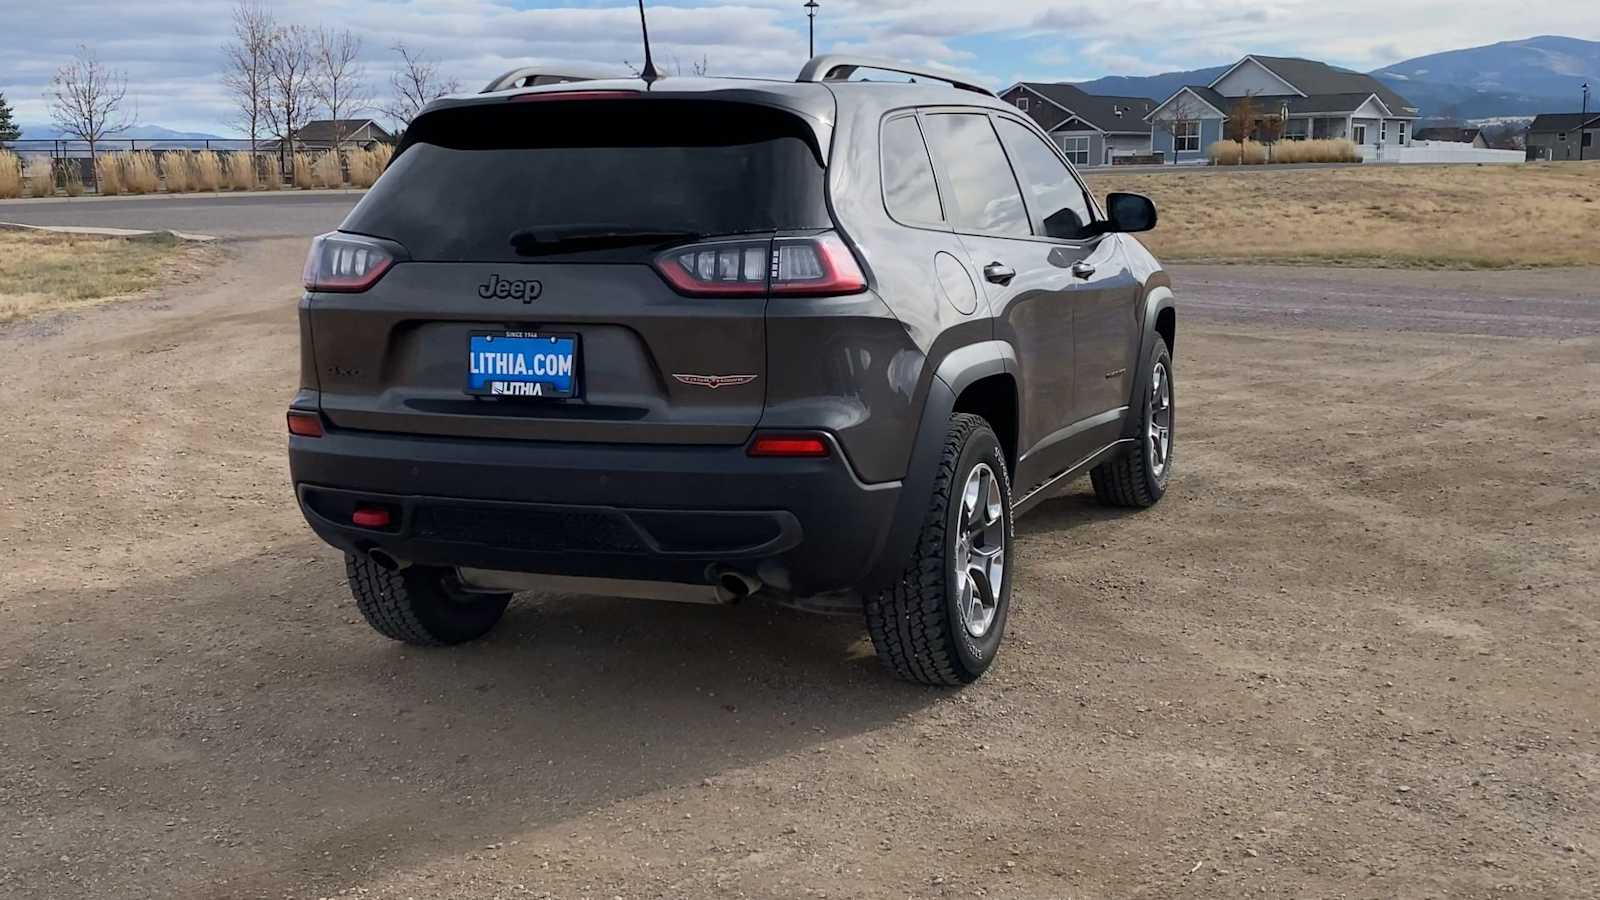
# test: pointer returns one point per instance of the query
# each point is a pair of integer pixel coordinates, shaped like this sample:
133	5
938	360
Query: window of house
1402	127
987	199
1186	137
1360	134
1588	139
1076	149
1057	206
1383	132
909	190
1022	103
1294	130
1561	136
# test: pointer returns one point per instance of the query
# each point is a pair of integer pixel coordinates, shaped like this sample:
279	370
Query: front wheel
942	621
1139	477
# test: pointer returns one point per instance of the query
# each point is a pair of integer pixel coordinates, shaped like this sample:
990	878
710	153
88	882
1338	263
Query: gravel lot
1351	655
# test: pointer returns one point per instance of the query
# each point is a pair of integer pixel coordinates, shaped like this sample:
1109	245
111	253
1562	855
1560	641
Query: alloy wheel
980	550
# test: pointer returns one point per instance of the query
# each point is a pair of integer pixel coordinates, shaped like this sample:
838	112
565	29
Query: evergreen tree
8	127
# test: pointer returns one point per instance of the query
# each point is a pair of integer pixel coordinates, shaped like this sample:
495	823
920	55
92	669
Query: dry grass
272	173
302	171
1233	153
241	171
72	179
1380	215
326	171
207	171
40	176
1318	151
42	272
108	174
367	165
10	175
139	173
178	172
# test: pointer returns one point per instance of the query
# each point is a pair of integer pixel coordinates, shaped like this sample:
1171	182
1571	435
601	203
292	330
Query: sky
171	51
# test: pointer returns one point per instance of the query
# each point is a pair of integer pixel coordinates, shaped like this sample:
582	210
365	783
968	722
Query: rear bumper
651	513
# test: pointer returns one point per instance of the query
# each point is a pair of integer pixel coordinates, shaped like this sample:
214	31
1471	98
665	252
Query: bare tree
248	60
414	85
1175	122
339	78
86	102
1242	123
289	91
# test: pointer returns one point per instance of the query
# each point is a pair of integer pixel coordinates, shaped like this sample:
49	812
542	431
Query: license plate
522	364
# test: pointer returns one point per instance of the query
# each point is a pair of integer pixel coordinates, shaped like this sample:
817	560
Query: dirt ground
1352	654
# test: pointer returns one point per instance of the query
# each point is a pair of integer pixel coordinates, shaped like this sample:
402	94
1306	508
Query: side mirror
1130	213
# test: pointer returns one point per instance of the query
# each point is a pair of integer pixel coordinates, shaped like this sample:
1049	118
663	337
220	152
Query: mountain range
1508	79
137	132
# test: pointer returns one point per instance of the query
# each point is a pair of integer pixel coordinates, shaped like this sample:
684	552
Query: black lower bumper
655	513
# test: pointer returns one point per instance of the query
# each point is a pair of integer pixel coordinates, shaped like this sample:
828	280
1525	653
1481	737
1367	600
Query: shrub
10	175
326	172
139	174
177	171
72	178
1317	151
366	166
41	176
1228	153
207	168
108	174
302	171
241	171
271	172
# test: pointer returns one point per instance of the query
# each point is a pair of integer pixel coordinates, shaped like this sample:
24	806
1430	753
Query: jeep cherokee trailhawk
704	338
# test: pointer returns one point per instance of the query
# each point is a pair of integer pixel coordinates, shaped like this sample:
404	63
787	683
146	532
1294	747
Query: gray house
1564	136
1473	136
1310	98
1092	129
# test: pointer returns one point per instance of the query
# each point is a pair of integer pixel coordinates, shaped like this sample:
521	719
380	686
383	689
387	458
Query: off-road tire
915	625
421	605
1131	479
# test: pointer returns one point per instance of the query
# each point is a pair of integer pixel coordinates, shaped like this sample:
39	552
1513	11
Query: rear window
470	177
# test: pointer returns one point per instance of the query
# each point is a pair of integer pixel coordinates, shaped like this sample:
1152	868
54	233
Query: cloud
171	52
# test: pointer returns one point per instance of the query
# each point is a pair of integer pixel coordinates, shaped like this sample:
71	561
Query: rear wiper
534	241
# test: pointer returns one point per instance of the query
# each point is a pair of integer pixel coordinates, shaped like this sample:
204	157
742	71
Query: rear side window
987	200
909	189
470	177
1056	202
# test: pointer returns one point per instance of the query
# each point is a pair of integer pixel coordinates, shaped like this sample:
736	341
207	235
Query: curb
129	233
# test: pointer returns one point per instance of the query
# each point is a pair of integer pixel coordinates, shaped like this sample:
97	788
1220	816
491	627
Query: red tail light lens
305	424
345	263
810	266
789	445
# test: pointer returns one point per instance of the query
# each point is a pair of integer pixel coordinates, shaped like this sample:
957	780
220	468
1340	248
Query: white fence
1439	152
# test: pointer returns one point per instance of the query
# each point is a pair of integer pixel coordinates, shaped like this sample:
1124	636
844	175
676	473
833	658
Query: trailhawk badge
715	381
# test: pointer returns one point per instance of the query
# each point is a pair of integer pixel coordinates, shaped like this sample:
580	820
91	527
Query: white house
1312	99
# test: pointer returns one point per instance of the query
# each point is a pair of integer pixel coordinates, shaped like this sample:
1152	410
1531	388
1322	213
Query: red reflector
574	95
370	517
784	445
305	424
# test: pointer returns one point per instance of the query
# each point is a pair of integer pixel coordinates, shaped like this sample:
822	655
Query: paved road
285	214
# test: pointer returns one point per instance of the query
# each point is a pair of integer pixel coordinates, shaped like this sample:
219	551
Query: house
1564	136
323	134
1092	129
1302	97
1473	136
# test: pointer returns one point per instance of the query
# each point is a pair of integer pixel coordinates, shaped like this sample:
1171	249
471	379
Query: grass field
1385	216
43	272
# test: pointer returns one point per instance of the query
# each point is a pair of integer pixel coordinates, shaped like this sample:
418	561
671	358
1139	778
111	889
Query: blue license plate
522	364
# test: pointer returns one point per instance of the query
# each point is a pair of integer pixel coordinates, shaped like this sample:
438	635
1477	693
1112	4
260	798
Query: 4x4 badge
715	381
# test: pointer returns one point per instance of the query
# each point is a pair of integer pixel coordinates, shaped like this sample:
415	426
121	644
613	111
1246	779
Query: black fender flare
958	370
1160	298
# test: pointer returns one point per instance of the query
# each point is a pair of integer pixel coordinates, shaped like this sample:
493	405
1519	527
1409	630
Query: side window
909	190
986	199
1055	200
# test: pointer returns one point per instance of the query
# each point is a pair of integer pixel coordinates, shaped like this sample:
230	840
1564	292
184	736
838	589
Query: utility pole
811	15
1583	124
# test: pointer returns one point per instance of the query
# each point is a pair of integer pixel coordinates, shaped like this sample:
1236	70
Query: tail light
805	446
811	266
345	263
304	423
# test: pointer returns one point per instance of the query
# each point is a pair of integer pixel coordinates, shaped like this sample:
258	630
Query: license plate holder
522	364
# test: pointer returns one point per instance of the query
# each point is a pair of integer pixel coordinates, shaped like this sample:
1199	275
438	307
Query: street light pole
1585	121
811	15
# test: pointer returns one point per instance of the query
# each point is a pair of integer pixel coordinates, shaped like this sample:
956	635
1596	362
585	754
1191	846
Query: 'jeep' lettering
497	288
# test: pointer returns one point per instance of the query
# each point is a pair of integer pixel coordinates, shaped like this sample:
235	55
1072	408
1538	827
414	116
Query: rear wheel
421	605
1139	477
942	621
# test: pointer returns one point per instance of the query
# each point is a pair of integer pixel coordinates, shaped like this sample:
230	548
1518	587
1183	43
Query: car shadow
1067	511
249	701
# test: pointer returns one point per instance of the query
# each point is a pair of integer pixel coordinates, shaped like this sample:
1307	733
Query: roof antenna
648	73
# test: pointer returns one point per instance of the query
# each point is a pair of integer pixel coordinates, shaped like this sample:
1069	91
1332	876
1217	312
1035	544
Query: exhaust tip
733	586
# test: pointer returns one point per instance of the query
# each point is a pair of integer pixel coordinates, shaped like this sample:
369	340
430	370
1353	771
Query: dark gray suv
701	339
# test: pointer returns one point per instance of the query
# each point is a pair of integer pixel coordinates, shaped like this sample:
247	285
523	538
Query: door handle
999	273
1083	269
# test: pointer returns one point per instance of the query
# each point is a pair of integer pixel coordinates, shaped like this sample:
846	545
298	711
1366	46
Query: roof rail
533	76
839	67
